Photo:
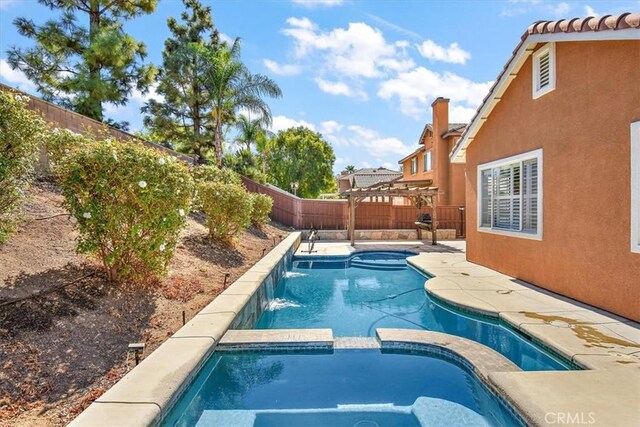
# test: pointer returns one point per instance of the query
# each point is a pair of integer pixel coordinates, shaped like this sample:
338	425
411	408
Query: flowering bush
130	203
20	132
216	174
227	208
62	142
261	205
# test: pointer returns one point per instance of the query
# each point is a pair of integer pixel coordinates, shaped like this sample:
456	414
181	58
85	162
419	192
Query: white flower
180	179
115	156
162	247
142	184
161	161
178	191
181	212
86	215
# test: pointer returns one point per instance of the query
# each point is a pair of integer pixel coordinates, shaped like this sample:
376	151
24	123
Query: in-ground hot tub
340	388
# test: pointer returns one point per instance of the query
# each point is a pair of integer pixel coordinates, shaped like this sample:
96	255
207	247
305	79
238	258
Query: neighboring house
366	177
431	160
553	163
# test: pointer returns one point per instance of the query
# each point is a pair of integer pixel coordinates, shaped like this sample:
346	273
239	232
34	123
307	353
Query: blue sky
362	73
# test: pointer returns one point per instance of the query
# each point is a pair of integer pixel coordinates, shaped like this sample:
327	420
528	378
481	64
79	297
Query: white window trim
551	48
536	154
414	171
635	187
424	160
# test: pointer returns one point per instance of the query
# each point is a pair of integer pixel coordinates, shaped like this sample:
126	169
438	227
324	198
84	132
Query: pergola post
434	220
352	220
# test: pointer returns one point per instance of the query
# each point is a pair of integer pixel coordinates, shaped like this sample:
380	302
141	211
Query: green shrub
227	208
130	202
21	130
216	174
261	205
62	142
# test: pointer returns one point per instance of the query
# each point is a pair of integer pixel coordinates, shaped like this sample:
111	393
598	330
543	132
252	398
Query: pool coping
146	394
531	311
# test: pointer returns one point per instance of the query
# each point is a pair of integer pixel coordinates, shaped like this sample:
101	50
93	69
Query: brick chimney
440	108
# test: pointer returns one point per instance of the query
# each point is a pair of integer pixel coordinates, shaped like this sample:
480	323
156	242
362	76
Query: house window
414	166
510	196
635	187
544	70
427	161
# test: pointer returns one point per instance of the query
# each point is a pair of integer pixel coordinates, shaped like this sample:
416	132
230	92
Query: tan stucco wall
455	188
583	127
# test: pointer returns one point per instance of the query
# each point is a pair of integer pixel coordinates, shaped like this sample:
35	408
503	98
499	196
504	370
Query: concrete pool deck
608	346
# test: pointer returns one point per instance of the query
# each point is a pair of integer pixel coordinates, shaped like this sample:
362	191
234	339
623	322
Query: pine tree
184	117
81	67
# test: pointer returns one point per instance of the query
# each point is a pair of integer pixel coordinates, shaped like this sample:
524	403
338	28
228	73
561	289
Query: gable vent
544	79
544	72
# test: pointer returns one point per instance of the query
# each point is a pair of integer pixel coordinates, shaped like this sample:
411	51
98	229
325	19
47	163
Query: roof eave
404	159
510	70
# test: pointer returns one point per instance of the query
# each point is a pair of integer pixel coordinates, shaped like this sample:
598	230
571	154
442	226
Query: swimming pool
342	388
355	295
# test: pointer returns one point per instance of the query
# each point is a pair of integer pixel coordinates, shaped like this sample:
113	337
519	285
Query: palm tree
232	87
250	131
350	169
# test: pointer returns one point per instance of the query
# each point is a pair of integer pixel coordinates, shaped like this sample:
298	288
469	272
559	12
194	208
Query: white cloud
357	51
282	69
16	77
283	122
316	3
226	38
453	54
394	27
6	4
340	88
416	89
142	98
560	10
330	127
539	7
590	11
460	114
368	141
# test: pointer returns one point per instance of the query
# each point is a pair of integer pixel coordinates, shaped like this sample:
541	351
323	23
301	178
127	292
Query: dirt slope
63	349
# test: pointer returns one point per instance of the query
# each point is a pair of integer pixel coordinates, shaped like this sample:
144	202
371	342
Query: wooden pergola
420	192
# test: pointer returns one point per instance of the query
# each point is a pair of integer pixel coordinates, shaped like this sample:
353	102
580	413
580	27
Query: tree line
83	60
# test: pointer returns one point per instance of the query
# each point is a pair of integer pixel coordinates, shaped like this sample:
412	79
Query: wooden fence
333	214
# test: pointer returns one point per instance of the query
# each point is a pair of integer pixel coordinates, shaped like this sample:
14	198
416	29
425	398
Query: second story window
544	70
427	161
414	166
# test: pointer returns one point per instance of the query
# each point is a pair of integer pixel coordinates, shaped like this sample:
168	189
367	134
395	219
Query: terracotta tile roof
624	21
579	25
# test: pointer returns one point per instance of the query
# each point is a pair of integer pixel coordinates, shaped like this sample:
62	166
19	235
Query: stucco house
431	160
553	163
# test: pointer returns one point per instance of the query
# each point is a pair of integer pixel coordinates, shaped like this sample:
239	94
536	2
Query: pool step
370	265
426	411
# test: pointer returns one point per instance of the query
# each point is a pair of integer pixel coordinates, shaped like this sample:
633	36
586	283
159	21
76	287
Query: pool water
343	388
354	296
